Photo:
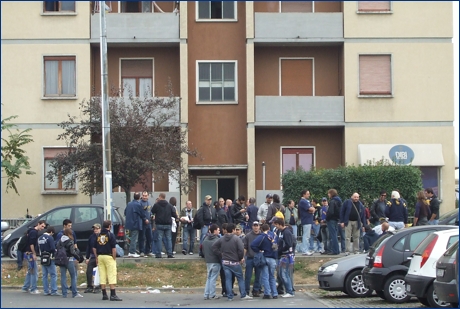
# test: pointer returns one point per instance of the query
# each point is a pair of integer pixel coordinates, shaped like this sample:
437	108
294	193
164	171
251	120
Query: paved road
16	299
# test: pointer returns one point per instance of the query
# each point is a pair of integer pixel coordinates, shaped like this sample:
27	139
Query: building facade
265	86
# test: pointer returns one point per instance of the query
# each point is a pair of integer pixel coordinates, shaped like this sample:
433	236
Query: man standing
212	262
286	255
145	235
306	219
46	243
323	227
238	211
378	208
352	219
135	216
91	260
252	212
188	232
332	220
291	216
228	207
263	209
163	212
106	254
206	216
434	206
31	256
249	259
231	248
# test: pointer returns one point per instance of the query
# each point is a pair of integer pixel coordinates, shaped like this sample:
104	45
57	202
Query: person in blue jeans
145	235
332	221
163	212
249	260
286	255
206	216
231	248
306	220
212	262
46	244
30	282
66	241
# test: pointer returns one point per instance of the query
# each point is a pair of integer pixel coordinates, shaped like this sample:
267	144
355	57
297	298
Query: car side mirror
5	226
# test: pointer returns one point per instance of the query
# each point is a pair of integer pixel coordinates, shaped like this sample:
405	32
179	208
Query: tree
14	160
145	137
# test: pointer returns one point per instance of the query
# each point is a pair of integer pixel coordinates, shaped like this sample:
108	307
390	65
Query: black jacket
333	212
163	211
206	215
221	217
237	216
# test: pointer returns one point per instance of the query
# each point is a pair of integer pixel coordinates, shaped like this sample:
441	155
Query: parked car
446	282
422	270
388	261
344	274
83	217
449	218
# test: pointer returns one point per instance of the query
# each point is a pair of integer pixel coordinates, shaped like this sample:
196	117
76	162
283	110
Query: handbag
45	258
96	279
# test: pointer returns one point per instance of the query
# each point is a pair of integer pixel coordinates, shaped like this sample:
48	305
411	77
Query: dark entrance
226	188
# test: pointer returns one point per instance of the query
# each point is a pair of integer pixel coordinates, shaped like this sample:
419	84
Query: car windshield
452	249
448	214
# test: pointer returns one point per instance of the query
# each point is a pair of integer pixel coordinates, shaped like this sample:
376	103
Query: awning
403	154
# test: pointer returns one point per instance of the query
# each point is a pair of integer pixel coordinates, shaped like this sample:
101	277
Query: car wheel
380	294
423	301
433	300
395	289
345	291
12	250
355	286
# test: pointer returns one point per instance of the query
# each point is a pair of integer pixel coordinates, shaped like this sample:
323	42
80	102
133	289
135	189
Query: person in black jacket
238	212
46	244
91	260
163	212
221	216
332	219
286	255
67	242
206	216
434	206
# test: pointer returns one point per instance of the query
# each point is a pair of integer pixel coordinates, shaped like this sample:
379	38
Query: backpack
23	242
196	223
60	258
279	214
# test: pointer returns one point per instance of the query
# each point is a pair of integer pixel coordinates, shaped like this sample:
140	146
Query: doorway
217	187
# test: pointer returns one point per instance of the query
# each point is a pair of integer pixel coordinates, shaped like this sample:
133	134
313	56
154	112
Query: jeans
248	275
285	272
315	228
433	222
73	278
267	277
332	228
155	250
145	239
326	239
133	235
223	280
238	272
294	231
341	232
213	270
204	231
189	234
20	259
51	270
398	225
32	273
164	230
306	233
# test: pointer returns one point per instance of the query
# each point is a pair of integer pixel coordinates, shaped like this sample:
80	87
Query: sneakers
287	295
255	294
35	292
115	298
133	255
89	290
307	253
347	253
170	256
174	252
191	253
78	296
214	297
247	297
150	254
142	254
275	297
162	253
184	252
56	294
25	291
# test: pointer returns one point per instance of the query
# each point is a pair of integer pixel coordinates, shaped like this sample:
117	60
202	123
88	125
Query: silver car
344	274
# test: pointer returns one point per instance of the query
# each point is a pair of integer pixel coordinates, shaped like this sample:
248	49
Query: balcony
305	111
138	28
298	28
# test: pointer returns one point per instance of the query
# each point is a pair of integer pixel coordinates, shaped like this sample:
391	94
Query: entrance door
217	187
207	187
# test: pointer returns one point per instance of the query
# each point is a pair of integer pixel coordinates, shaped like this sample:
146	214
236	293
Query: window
375	75
399	245
137	77
296	6
294	158
216	9
56	217
60	80
452	240
86	214
56	184
297	77
217	82
430	178
58	6
374	6
136	6
417	238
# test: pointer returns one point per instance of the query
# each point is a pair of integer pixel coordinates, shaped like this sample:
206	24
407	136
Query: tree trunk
128	195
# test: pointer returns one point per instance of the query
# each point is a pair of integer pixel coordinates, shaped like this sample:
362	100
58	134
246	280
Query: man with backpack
47	250
31	256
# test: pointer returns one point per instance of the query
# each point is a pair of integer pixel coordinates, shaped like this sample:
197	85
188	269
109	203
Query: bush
368	180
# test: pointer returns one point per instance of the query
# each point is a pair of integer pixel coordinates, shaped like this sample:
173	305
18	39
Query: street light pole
106	159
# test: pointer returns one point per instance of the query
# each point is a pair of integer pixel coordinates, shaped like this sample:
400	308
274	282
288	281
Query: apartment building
265	86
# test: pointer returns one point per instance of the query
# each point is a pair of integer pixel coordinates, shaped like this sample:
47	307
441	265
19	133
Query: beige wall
417	19
25	20
409	135
422	78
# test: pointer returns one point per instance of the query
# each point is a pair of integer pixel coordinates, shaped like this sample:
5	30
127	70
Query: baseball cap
255	223
324	199
269	195
208	197
238	227
96	226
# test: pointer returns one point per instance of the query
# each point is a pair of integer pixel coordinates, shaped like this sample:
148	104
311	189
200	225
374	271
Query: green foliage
14	160
368	180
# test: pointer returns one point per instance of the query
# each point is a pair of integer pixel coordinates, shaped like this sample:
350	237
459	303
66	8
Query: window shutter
136	68
50	153
374	75
373	6
297	6
296	77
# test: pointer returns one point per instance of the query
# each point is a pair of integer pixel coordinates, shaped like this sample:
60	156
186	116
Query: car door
414	239
84	217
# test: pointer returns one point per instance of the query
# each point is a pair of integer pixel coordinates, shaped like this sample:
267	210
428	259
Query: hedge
368	180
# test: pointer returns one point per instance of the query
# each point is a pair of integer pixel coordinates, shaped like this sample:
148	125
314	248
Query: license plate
440	272
408	287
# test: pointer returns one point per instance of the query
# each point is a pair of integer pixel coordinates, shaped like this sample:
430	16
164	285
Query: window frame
390	11
312	7
391	95
282	148
137	80
297	58
197	86
213	20
59	12
59	58
439	176
60	189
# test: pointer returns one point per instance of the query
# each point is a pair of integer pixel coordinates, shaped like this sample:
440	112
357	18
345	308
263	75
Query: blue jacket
90	246
46	243
305	216
345	213
134	215
147	207
263	242
396	211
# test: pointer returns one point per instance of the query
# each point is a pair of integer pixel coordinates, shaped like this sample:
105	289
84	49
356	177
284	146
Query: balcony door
297	77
